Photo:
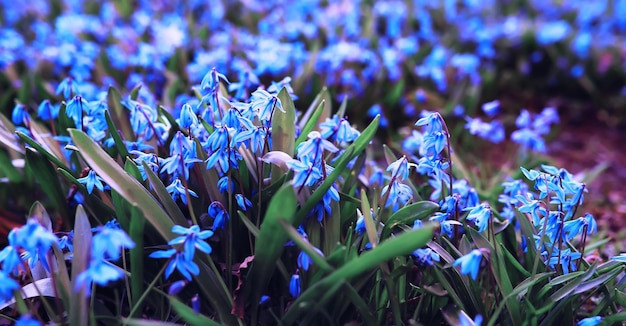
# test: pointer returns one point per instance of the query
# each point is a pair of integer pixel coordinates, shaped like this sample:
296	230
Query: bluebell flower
447	227
92	180
36	240
399	194
219	215
10	257
7	286
177	190
470	263
188	117
304	261
176	287
19	115
74	109
192	238
305	173
426	256
67	87
255	136
314	147
99	272
243	202
178	261
432	122
529	139
27	320
400	168
480	215
552	32
565	258
590	321
294	285
264	104
491	108
47	111
108	242
493	131
464	320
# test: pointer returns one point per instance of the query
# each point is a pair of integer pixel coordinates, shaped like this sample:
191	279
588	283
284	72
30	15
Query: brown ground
580	148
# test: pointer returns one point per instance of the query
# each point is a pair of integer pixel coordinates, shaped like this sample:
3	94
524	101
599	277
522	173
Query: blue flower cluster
348	43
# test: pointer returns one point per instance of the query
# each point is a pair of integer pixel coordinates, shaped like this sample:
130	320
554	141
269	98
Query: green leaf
119	143
190	316
409	214
123	183
119	115
48	178
401	245
500	273
370	225
47	154
166	199
270	243
79	303
571	287
137	226
519	291
283	129
304	245
308	117
311	123
8	169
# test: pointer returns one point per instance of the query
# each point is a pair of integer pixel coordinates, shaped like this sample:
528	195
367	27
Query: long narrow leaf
123	183
402	245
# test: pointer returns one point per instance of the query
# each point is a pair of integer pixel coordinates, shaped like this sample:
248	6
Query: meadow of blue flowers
310	162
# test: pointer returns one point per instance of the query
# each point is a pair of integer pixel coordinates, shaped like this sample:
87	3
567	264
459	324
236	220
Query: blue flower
36	240
243	202
92	180
479	215
305	173
565	258
74	109
99	272
491	108
591	321
10	257
264	103
47	111
188	117
470	263
19	115
178	261
7	286
108	242
426	256
192	238
67	87
219	215
27	320
400	168
177	190
314	147
304	261
294	285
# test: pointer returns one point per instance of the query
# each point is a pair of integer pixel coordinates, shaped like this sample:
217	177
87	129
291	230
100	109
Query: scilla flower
470	263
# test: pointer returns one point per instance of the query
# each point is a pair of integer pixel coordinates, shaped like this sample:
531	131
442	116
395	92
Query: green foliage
365	256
